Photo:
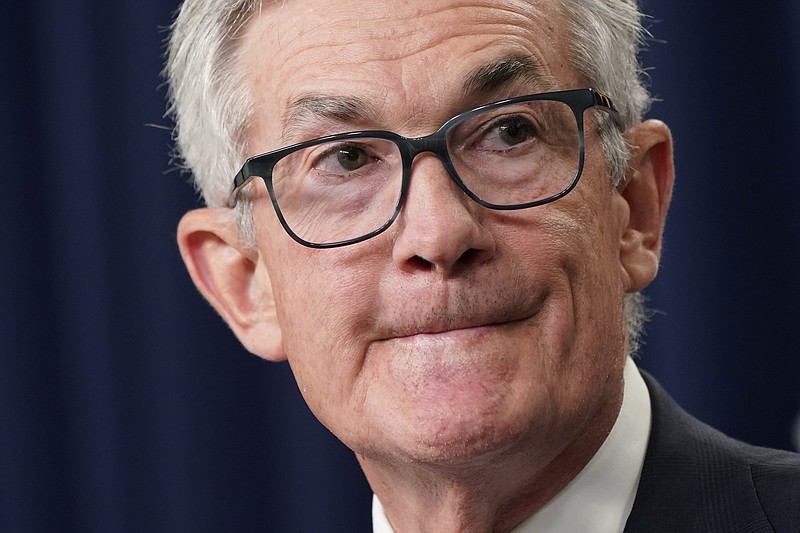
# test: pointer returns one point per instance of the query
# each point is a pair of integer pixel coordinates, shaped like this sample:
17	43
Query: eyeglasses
345	188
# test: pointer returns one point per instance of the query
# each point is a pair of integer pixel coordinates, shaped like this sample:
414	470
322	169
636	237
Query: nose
440	229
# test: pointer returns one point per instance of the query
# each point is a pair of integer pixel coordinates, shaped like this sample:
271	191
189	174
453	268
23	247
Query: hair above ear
231	276
647	190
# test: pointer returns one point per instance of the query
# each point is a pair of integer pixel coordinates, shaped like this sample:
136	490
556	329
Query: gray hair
210	103
207	96
607	36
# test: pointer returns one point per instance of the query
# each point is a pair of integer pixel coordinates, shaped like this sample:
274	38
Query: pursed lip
468	312
444	327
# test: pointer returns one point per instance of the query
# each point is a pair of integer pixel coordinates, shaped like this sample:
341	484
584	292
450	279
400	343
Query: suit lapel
693	478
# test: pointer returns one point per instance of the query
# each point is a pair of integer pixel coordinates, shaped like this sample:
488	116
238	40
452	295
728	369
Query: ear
646	190
231	277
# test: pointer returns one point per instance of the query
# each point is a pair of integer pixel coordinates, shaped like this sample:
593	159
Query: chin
456	430
463	441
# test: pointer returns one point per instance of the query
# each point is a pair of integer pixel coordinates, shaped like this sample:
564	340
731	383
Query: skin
472	359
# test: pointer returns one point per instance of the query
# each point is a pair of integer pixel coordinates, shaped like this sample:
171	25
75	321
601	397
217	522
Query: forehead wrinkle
401	44
387	23
308	109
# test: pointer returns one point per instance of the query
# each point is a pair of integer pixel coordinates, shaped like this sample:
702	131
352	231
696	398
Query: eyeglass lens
509	155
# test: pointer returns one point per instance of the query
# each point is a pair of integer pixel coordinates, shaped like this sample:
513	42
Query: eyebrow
309	108
482	82
491	77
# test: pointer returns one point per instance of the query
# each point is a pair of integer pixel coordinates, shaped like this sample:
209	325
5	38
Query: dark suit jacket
695	479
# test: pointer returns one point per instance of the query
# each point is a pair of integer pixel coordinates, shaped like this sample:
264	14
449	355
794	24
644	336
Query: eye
511	131
352	158
348	158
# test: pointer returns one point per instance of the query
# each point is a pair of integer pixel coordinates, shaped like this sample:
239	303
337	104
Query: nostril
465	260
421	263
468	256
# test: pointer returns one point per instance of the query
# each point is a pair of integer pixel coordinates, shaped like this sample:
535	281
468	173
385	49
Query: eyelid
484	126
322	151
318	158
334	146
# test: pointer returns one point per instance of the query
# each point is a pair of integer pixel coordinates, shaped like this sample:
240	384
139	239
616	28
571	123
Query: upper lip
434	308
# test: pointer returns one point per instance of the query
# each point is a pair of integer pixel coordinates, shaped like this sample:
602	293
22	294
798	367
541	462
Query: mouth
456	327
461	315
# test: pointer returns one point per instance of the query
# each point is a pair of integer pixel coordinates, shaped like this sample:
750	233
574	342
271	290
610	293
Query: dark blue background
125	403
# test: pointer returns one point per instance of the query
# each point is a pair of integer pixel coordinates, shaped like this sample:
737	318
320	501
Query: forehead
404	57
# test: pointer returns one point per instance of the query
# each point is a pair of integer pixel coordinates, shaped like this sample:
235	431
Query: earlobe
232	278
646	191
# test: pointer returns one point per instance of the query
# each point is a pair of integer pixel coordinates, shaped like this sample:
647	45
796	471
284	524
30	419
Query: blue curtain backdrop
126	405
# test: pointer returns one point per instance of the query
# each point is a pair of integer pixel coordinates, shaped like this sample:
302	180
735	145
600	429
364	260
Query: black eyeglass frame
578	100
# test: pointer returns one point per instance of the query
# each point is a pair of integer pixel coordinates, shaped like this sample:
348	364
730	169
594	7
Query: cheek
575	243
319	310
321	344
324	308
594	272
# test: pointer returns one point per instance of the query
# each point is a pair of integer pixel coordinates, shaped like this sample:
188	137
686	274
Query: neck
493	492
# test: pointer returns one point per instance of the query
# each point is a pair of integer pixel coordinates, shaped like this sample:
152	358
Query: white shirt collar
599	499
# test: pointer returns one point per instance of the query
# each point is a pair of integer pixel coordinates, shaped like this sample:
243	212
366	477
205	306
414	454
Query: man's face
460	330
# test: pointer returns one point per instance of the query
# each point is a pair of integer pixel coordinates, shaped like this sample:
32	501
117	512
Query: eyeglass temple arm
602	101
241	179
